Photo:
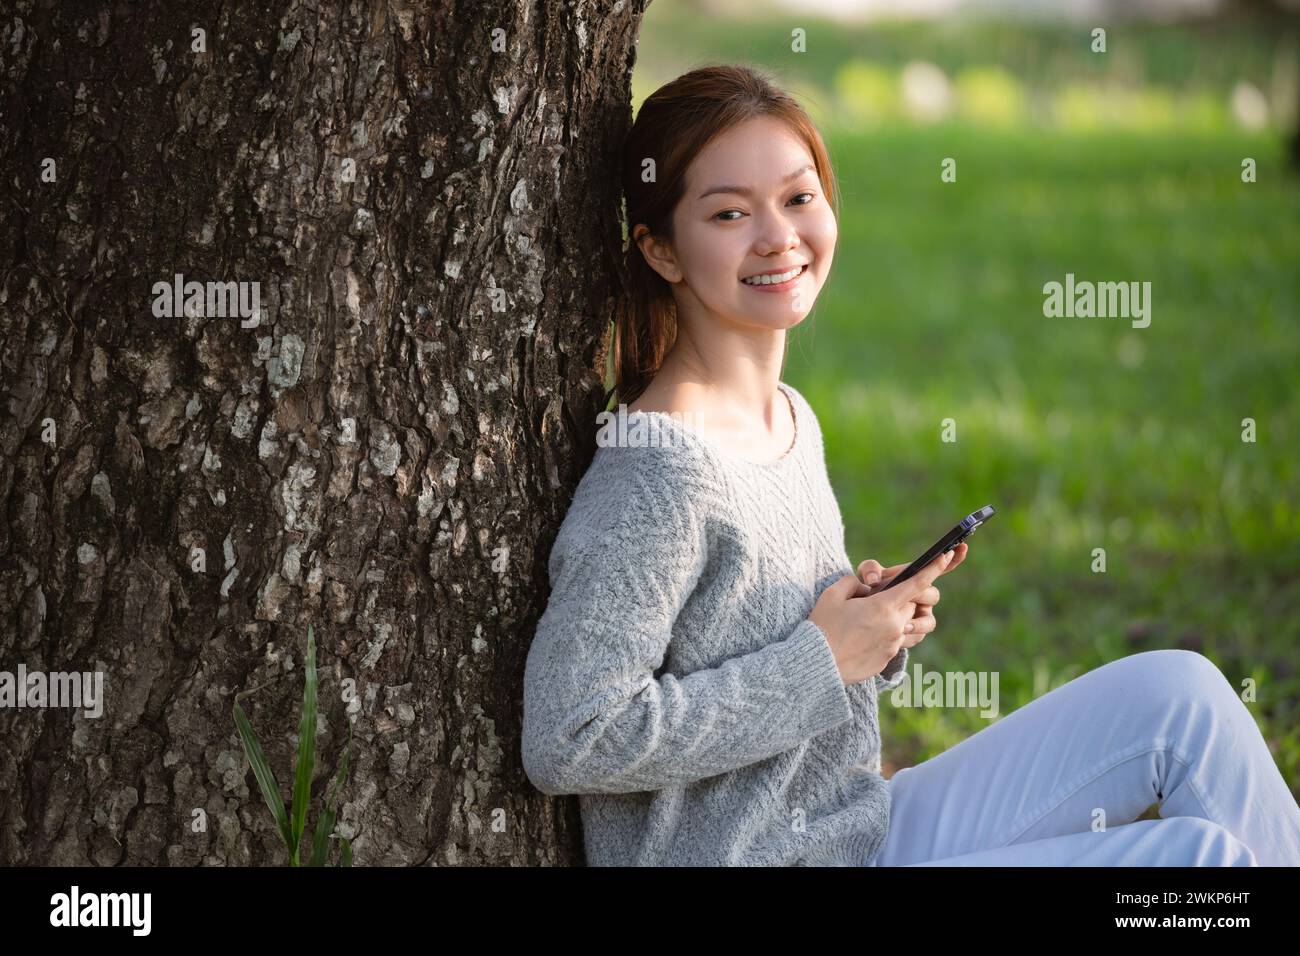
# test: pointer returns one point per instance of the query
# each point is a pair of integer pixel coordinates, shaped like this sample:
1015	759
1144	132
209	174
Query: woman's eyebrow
743	191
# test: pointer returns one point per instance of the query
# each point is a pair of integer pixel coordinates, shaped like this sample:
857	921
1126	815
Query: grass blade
345	855
306	747
325	822
610	377
320	843
262	771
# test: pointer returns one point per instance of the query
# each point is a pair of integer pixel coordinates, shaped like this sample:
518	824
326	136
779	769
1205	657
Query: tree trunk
425	195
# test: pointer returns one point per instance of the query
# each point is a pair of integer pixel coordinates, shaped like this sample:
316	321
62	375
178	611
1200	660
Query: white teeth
773	280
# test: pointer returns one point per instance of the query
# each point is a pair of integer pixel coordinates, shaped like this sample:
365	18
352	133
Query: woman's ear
658	253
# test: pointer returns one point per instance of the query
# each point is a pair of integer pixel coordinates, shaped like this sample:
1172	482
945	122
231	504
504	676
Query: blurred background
1083	433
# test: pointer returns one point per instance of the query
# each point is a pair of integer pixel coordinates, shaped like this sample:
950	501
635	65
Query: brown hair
674	124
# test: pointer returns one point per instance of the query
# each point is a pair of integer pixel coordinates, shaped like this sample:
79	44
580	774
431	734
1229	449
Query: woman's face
753	204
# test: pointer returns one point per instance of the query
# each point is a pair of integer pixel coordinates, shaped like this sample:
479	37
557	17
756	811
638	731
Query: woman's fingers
923	579
875	575
869	571
958	556
930	596
920	625
883	574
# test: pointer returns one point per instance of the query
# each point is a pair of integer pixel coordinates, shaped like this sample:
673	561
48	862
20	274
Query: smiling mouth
778	285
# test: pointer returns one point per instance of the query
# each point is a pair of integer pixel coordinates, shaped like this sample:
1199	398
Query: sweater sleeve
894	673
596	718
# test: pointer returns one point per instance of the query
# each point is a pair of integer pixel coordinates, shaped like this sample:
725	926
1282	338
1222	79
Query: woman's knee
1178	672
1206	842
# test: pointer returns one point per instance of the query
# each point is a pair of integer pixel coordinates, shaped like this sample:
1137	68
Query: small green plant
611	383
292	822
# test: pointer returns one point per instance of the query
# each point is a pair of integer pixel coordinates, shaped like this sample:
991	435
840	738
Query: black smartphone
964	529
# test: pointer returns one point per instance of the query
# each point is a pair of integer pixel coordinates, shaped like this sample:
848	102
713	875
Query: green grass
1083	433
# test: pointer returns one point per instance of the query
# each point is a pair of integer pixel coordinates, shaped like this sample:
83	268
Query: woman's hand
923	621
865	630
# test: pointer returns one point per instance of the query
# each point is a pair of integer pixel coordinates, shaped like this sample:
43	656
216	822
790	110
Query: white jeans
1161	726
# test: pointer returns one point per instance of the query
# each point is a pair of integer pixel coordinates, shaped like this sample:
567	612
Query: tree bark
426	195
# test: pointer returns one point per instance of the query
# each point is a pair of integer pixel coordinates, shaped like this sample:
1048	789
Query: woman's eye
811	197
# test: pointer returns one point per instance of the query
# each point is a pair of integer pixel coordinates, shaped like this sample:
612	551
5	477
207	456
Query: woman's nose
778	234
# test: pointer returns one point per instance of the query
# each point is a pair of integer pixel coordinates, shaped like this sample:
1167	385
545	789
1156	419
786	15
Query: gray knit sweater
675	682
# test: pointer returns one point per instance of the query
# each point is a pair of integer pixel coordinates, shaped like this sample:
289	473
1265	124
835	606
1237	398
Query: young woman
706	674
